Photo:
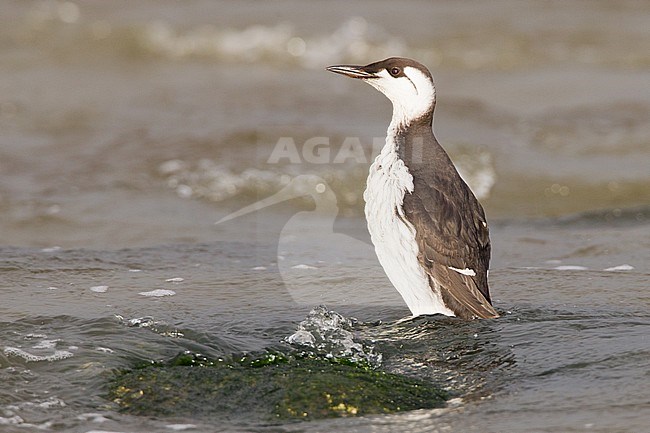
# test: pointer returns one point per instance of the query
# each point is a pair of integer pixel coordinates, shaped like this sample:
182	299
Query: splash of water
327	333
149	322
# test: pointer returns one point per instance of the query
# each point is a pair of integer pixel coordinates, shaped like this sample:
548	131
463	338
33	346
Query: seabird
429	230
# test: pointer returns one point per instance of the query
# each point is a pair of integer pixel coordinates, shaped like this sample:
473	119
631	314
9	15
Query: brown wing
451	232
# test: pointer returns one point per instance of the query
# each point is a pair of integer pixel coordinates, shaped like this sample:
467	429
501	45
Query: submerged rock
269	387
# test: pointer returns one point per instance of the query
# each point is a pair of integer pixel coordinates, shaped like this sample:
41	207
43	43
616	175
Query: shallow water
569	353
127	131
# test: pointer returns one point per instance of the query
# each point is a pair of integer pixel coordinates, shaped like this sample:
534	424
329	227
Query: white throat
412	95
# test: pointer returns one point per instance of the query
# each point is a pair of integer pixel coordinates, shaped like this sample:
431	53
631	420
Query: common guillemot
429	230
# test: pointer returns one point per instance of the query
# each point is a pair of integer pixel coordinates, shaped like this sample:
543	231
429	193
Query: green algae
267	387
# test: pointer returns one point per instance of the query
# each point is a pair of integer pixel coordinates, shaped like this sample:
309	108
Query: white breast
388	181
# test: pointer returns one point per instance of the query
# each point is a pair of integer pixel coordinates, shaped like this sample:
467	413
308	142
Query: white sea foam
140	322
175	280
303	266
624	267
11	420
570	268
46	344
32	336
158	293
51	402
99	289
180	427
29	357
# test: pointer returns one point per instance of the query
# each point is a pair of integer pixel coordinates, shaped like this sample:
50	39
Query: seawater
127	132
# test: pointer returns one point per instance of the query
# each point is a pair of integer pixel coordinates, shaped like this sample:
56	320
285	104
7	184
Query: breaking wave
354	40
216	182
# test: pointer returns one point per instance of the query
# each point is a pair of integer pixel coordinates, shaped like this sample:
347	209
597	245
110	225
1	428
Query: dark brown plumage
451	228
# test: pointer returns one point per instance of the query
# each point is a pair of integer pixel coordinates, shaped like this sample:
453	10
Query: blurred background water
127	129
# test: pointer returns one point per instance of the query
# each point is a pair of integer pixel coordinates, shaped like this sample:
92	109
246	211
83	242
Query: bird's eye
394	71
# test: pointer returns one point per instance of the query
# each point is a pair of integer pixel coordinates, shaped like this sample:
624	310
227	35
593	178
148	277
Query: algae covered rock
268	387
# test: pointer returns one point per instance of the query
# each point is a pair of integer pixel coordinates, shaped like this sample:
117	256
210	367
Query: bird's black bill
351	71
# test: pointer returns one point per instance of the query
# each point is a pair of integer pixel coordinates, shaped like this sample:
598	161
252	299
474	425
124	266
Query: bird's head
407	83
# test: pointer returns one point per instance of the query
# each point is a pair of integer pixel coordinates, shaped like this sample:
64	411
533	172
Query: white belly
388	181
